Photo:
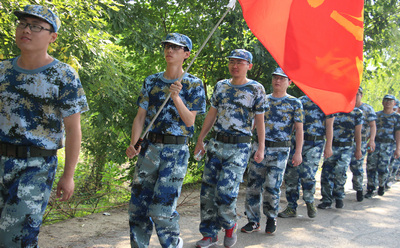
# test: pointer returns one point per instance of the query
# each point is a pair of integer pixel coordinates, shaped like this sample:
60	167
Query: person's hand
131	151
396	154
174	89
65	188
199	148
358	154
328	152
297	159
259	155
371	146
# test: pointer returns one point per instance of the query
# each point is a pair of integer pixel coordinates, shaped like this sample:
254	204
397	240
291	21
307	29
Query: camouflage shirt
280	117
387	125
369	115
33	103
237	106
345	124
314	118
155	90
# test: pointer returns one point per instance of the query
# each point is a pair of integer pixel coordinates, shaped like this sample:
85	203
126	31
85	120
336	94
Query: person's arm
187	116
260	126
137	128
357	134
297	157
73	137
371	142
329	137
207	125
397	151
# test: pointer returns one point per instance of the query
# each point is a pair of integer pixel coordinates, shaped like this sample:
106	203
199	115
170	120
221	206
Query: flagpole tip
231	4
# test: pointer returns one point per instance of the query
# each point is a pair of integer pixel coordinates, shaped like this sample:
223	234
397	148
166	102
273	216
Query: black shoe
360	196
271	226
381	191
368	195
251	227
339	203
324	205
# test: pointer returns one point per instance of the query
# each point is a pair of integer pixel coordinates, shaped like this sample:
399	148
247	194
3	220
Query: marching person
368	133
236	104
387	140
346	129
317	127
41	101
284	114
163	156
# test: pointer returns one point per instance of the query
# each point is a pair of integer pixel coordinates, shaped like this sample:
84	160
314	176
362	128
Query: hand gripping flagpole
230	6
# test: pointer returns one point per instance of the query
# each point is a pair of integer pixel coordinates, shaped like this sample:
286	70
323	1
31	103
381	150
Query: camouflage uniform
313	147
33	104
266	177
356	166
161	168
334	168
378	161
226	162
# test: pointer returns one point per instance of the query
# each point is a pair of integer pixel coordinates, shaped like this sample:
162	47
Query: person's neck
279	94
31	61
388	111
173	72
239	80
359	104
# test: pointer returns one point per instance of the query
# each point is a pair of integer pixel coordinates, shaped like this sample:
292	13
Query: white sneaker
180	243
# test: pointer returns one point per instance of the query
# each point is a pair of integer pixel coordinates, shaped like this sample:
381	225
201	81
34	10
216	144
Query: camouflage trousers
25	186
356	167
265	180
223	173
393	169
333	175
304	174
156	187
378	165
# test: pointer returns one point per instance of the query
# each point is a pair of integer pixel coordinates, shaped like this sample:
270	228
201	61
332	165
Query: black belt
380	140
166	139
15	151
342	144
313	137
232	139
278	144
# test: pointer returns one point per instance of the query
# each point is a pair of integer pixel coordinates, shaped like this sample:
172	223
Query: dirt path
372	223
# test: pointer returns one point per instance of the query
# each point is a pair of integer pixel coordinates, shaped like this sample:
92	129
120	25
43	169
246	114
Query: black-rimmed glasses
32	27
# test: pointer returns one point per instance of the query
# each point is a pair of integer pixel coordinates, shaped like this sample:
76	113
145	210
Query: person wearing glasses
237	104
387	140
285	114
163	156
41	101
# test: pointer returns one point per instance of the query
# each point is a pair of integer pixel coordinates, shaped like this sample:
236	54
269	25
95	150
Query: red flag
318	43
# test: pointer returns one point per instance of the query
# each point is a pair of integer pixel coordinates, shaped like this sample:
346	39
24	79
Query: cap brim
280	74
236	57
173	42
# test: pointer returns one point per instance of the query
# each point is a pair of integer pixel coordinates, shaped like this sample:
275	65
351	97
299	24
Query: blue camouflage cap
178	39
390	97
42	13
241	54
280	72
360	89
